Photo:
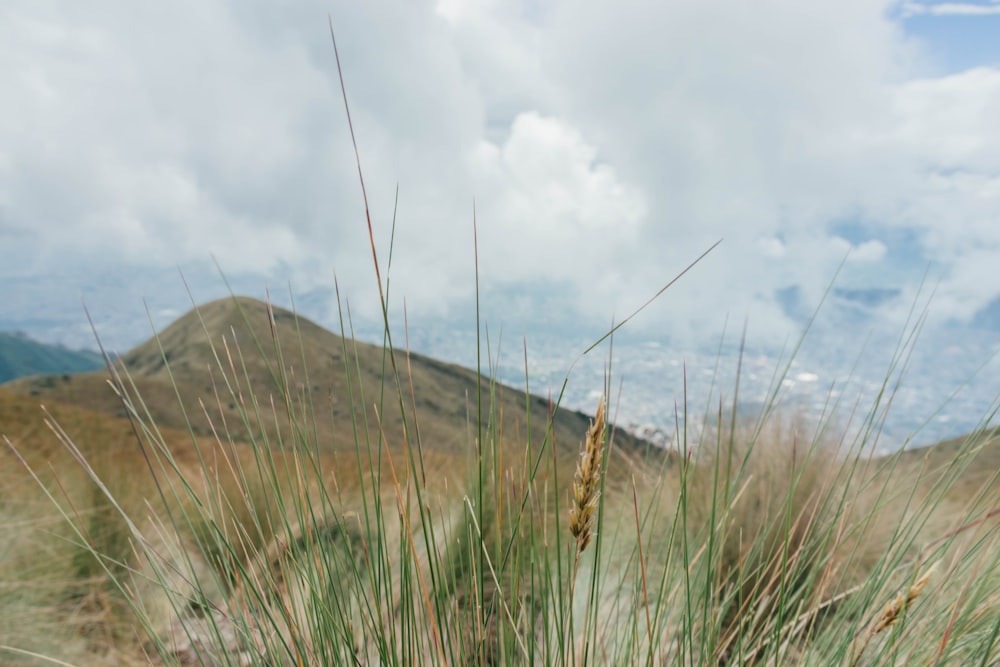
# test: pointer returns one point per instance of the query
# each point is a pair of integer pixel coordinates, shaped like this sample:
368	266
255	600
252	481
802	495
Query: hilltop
202	368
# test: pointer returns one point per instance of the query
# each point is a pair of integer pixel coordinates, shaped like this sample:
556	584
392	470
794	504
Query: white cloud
772	247
949	122
551	206
950	9
153	133
869	251
166	132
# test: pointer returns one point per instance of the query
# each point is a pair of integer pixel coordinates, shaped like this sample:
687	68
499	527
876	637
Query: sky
590	150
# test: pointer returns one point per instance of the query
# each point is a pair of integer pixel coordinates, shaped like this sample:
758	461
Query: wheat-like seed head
587	482
891	612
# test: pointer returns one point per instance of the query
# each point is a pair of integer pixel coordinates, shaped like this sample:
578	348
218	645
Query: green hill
20	356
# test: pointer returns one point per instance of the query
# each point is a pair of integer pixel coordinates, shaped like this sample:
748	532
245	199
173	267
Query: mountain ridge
222	356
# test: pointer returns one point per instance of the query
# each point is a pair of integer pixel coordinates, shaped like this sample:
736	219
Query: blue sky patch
957	35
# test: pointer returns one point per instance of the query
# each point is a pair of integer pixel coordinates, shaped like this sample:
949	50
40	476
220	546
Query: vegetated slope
20	356
56	599
223	360
194	388
885	494
971	461
53	599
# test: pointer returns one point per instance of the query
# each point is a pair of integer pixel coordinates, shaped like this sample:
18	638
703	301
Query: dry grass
587	482
317	376
770	542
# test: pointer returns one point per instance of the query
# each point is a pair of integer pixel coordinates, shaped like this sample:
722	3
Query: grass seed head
892	611
587	482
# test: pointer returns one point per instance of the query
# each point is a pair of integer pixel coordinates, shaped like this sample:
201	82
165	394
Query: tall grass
764	539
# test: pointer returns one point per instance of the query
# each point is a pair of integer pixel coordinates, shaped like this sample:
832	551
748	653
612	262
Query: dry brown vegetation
236	335
766	539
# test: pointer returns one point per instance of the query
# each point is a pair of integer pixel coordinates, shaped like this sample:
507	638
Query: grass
246	538
762	540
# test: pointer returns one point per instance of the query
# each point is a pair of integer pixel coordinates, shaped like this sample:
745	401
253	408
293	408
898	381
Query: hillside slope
20	356
224	362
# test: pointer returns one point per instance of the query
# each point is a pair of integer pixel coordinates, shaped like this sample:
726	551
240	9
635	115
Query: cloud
950	9
144	132
165	133
552	208
772	247
869	251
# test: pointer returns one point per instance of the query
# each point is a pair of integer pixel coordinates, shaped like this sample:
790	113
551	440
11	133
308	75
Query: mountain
20	356
230	358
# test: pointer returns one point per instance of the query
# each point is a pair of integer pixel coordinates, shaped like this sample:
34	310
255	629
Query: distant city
937	391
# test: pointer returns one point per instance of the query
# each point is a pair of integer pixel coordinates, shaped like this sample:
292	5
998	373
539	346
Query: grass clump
759	539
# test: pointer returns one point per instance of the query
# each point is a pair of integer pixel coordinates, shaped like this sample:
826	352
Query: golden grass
771	513
587	482
189	519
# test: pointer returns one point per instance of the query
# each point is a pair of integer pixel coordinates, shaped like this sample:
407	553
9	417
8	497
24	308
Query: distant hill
223	355
20	356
